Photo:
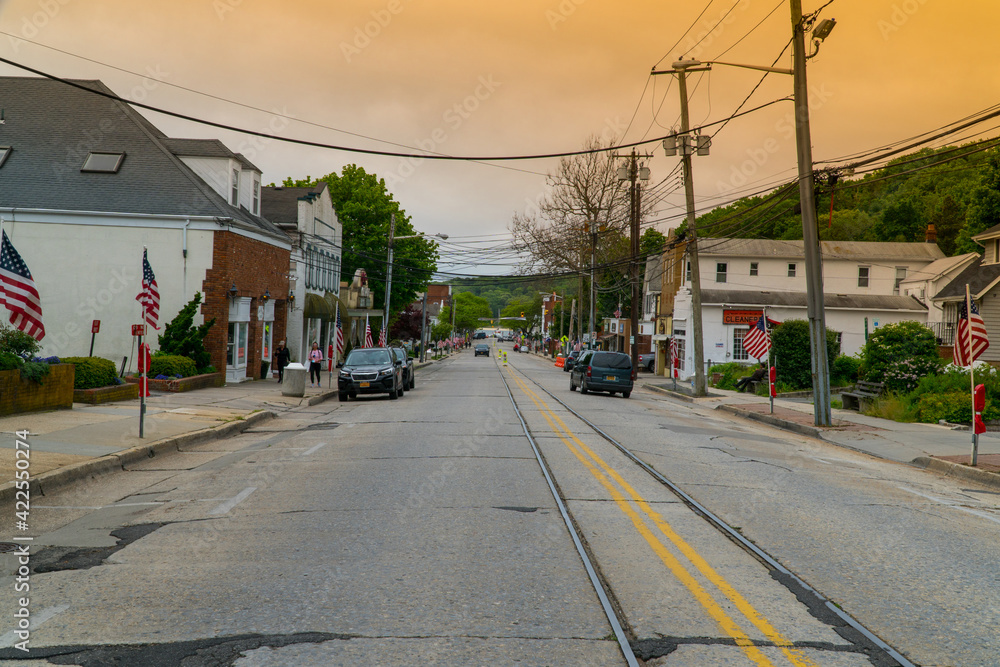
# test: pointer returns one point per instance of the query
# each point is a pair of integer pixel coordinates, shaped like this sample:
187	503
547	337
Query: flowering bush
904	375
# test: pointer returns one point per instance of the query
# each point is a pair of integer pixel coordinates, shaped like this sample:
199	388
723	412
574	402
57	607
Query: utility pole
423	328
634	173
681	68
593	261
810	232
388	278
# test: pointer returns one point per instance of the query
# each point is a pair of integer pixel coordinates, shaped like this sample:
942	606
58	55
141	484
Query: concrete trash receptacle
294	383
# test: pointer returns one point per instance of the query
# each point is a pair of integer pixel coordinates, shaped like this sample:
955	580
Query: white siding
217	172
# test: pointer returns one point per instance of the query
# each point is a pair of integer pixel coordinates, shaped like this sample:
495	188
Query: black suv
371	370
404	358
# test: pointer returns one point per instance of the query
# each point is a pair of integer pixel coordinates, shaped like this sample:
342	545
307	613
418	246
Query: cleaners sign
742	317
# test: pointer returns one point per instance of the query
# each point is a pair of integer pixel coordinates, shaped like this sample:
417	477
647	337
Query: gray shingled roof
52	127
798	299
850	250
977	275
281	205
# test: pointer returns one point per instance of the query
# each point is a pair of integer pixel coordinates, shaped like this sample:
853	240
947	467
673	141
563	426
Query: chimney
931	235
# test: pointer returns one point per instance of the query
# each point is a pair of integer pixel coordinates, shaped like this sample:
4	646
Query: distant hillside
957	188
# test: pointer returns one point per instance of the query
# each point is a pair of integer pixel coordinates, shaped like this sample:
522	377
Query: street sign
138	329
95	327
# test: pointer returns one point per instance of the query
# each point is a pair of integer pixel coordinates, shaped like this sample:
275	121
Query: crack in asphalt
215	652
55	559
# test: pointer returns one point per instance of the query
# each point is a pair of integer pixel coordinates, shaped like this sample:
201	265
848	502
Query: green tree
468	309
652	242
364	207
984	206
183	338
900	221
530	307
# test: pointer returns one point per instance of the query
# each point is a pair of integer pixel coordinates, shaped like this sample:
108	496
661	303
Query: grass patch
894	407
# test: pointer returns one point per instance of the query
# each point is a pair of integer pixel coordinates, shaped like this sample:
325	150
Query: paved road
422	531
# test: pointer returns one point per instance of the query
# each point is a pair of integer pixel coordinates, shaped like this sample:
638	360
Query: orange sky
513	78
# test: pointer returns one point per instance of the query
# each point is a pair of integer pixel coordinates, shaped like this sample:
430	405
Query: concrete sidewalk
939	448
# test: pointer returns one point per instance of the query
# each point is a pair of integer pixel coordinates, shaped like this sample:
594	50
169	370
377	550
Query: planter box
55	392
119	392
184	384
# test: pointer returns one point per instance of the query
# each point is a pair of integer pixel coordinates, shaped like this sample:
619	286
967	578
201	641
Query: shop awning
316	307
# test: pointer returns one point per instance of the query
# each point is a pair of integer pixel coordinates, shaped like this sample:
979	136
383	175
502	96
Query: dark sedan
373	370
482	349
409	382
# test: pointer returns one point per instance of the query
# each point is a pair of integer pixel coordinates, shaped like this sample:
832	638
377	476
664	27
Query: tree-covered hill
957	188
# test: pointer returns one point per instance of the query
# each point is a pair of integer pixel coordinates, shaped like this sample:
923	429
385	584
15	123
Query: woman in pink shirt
315	364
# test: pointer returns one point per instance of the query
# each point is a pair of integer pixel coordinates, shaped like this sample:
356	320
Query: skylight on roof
4	154
107	163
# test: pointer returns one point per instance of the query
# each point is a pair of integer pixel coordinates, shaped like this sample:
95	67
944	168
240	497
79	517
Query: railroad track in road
717	597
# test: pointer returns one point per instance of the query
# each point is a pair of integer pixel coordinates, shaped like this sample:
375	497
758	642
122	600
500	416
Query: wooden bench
862	393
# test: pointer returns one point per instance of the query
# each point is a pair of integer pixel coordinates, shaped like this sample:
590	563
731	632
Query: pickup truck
648	361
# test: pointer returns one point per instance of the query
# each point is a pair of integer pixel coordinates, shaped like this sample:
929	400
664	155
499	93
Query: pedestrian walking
281	359
315	365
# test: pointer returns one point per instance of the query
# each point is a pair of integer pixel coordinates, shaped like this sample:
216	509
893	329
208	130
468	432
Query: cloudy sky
515	78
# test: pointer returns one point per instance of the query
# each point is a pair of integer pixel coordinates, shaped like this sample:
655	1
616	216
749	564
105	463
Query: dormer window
256	196
103	163
236	188
4	153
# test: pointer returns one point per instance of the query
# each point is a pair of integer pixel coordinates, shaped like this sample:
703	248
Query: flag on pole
368	333
149	296
758	341
381	338
339	334
969	326
674	351
18	293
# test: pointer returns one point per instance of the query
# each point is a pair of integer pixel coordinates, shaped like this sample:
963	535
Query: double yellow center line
608	478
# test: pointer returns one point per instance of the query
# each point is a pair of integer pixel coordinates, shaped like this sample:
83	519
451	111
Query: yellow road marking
728	625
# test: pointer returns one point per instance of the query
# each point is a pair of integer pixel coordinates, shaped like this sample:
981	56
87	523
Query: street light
388	279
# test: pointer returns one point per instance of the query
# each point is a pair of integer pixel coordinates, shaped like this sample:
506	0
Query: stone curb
801	429
949	469
60	477
673	394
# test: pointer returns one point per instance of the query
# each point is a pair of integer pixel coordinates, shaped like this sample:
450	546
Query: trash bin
294	383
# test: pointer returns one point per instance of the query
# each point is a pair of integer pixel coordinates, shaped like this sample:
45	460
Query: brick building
86	183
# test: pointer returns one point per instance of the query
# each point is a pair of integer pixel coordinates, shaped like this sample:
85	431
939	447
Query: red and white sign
138	329
95	327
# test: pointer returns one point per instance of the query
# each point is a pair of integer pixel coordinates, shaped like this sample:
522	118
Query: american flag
368	333
757	341
381	338
674	351
149	297
18	293
979	339
339	334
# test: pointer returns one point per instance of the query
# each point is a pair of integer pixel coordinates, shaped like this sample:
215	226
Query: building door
236	348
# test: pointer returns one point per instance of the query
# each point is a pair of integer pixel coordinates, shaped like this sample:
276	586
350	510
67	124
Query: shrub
34	371
17	342
93	372
9	361
731	372
904	375
791	350
182	338
955	407
893	406
894	343
844	370
171	364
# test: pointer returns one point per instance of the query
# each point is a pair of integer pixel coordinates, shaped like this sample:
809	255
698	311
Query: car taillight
588	371
634	374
